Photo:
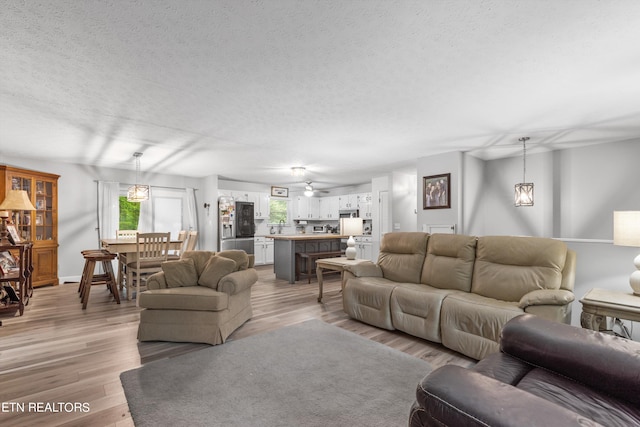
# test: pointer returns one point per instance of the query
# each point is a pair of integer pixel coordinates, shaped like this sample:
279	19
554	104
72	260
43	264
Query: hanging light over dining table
138	192
524	190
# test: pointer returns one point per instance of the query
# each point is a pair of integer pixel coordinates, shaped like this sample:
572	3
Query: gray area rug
310	374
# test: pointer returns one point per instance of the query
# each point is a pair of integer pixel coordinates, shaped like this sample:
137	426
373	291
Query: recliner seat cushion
470	324
367	299
508	267
415	309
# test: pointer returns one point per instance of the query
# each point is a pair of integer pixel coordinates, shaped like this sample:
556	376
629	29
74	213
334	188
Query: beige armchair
203	297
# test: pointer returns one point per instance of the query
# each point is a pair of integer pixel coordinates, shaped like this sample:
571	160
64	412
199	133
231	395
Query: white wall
576	192
77	204
436	165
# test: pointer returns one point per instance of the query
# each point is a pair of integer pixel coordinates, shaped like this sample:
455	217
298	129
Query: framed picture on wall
436	191
279	191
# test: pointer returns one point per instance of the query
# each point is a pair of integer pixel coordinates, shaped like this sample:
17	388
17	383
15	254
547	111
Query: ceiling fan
309	190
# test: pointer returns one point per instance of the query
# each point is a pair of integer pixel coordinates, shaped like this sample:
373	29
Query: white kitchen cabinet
364	205
263	250
348	201
307	208
260	204
329	207
364	247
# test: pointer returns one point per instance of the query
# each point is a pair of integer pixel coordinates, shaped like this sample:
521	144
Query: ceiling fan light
308	190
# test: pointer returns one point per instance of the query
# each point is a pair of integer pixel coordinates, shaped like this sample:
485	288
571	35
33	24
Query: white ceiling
349	89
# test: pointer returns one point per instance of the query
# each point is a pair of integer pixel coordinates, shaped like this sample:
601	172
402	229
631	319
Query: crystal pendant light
138	192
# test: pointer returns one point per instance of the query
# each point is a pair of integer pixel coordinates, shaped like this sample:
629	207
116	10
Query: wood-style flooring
57	355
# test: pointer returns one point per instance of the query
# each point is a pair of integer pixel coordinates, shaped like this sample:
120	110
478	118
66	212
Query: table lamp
15	200
626	232
351	227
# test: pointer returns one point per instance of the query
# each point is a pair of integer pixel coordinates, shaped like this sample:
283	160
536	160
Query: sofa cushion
200	259
449	261
197	298
239	256
470	324
507	267
180	273
367	299
217	267
415	309
402	256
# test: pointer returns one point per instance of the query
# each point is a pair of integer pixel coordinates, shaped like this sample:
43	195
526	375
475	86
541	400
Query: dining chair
152	249
192	240
176	254
122	257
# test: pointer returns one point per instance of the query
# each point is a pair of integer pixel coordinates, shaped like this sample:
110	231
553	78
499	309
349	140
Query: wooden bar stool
89	278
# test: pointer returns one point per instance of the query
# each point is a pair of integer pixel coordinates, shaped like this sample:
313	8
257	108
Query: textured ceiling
349	89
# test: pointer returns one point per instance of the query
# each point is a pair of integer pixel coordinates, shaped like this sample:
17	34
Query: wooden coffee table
598	304
334	264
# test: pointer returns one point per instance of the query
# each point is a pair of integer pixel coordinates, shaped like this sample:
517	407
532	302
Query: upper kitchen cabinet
348	202
260	204
329	208
364	205
39	226
306	207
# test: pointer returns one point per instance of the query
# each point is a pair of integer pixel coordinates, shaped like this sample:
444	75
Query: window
278	211
129	214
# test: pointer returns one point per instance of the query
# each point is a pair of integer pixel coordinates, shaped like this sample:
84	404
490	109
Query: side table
335	264
598	304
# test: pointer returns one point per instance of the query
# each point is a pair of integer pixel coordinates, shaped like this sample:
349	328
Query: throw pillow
239	256
180	273
217	267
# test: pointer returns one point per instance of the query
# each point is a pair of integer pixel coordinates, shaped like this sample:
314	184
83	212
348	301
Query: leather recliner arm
455	396
365	269
600	361
546	297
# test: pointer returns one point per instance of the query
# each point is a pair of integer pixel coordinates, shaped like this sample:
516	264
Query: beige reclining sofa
203	297
461	290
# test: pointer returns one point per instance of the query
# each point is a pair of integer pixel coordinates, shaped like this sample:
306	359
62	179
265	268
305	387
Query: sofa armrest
157	281
600	361
454	396
364	269
546	297
238	281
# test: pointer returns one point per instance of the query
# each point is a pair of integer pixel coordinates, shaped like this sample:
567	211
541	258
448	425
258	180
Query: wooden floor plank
57	352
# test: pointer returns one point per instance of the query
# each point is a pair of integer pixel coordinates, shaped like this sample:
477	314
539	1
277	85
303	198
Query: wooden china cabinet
40	226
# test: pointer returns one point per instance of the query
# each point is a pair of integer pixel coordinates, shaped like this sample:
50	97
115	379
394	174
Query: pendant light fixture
524	190
138	192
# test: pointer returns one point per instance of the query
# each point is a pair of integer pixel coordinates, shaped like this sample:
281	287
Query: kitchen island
286	246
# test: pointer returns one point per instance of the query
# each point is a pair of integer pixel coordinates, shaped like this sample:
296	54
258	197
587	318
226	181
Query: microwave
351	213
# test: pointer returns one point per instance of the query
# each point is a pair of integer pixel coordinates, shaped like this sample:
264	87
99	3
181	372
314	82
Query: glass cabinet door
22	219
44	210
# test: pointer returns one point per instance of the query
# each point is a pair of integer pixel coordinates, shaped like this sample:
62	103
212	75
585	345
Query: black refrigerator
243	228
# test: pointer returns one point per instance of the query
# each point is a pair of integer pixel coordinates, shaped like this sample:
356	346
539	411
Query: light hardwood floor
59	354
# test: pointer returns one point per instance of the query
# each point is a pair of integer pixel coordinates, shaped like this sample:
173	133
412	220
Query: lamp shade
626	228
351	226
17	200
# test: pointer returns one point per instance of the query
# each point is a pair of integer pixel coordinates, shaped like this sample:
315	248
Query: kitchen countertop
310	236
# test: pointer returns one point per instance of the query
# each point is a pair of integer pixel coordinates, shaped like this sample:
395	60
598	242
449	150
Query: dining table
127	247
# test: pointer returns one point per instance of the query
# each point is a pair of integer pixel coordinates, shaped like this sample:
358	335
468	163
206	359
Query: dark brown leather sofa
546	374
